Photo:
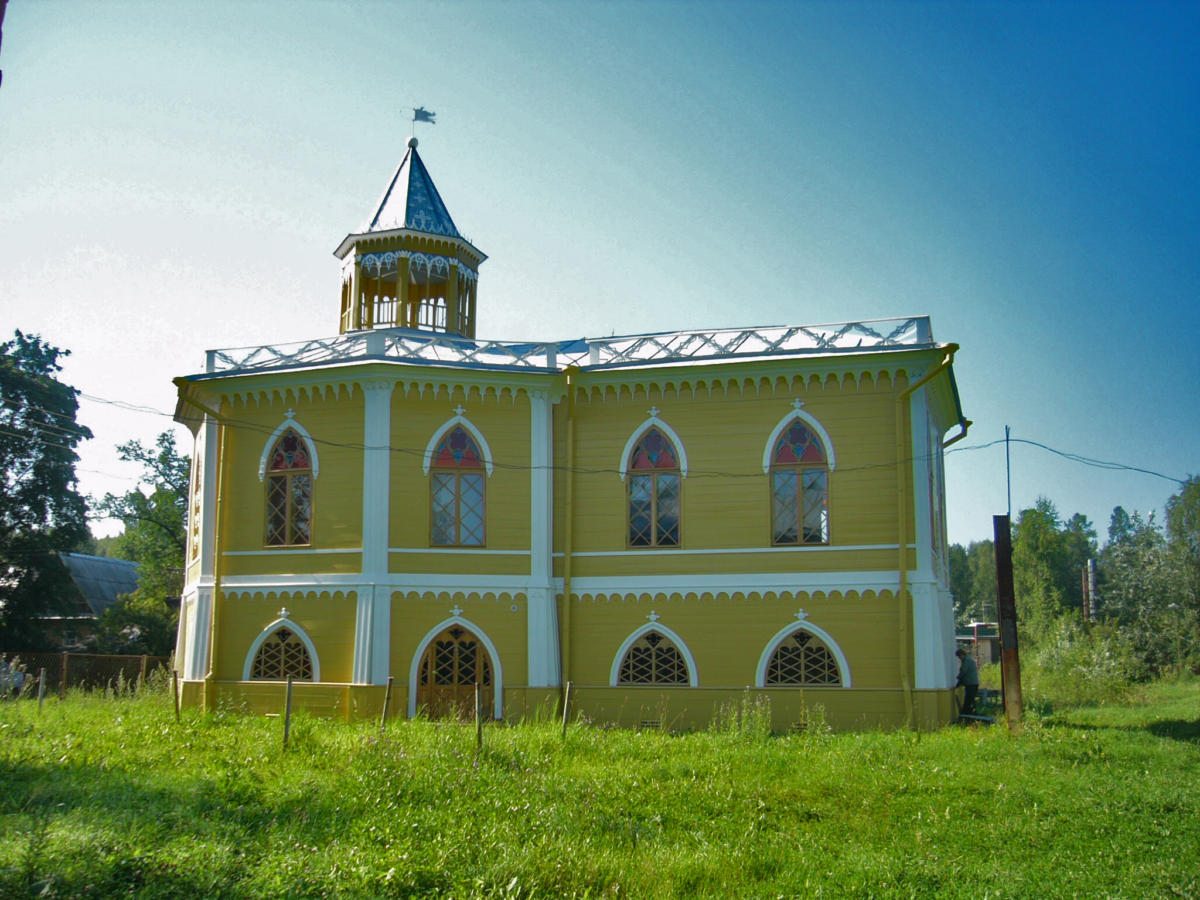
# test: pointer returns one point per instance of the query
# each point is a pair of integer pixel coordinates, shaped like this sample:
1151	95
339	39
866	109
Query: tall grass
104	795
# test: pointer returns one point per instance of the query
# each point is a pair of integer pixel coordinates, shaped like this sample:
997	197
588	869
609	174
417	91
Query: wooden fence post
287	712
62	680
387	699
41	687
478	721
175	693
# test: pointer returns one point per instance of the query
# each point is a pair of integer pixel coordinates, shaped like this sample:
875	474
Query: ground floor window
282	656
653	659
803	659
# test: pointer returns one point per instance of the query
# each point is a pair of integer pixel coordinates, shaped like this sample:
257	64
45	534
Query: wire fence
88	671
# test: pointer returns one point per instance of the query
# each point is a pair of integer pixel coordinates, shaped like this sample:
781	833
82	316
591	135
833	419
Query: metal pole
566	709
1008	469
287	711
1006	603
387	700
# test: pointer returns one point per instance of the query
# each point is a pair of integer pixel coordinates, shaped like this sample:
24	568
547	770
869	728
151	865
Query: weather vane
421	114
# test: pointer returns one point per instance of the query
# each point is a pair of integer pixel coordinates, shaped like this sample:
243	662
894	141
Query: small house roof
411	200
100	579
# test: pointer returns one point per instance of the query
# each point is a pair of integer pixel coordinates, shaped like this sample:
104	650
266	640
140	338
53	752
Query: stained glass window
654	492
803	659
456	491
282	655
799	488
289	492
653	659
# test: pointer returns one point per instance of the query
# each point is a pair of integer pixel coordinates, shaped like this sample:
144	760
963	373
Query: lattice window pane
802	659
816	506
443	508
471	509
277	490
301	508
667	507
785	513
280	656
641	510
653	659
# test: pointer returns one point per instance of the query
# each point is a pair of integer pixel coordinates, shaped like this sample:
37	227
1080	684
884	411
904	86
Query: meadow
105	795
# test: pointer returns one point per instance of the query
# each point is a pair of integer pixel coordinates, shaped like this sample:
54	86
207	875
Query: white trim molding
493	653
458	419
289	421
760	673
283	622
809	420
614	673
653	422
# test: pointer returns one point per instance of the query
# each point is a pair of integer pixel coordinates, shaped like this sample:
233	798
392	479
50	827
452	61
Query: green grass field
102	796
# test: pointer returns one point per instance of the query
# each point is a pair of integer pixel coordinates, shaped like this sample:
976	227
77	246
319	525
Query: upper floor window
289	478
456	491
799	487
654	489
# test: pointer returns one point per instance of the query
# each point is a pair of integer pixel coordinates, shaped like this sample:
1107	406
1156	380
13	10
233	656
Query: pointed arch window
803	659
654	491
799	487
282	655
653	659
457	495
289	480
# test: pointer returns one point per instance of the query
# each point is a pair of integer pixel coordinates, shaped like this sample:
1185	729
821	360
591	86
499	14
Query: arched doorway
450	666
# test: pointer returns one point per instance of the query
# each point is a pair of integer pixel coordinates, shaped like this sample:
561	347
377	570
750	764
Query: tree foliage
154	515
41	511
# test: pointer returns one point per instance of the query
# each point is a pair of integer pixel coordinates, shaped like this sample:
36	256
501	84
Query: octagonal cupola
409	266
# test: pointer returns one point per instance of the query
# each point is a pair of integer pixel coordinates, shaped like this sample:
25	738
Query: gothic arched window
654	489
653	659
281	656
456	491
289	480
803	659
799	487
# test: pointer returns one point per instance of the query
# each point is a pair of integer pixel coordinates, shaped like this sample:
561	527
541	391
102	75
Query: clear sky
175	176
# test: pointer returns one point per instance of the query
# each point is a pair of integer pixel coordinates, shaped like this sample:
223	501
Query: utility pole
1006	607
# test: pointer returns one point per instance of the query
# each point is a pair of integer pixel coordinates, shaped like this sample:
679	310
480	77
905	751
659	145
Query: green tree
1183	536
154	515
1048	560
41	511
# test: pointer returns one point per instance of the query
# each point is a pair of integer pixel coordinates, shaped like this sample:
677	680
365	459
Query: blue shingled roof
412	201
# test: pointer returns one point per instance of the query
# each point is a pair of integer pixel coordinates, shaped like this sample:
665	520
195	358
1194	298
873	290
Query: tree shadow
1176	729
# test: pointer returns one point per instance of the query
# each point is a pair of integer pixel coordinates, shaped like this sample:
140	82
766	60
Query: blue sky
174	177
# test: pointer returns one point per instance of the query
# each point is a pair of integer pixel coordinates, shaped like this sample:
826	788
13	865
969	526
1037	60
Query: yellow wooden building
666	521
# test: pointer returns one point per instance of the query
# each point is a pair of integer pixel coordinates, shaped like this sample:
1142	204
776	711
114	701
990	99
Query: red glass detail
456	450
289	452
798	445
654	451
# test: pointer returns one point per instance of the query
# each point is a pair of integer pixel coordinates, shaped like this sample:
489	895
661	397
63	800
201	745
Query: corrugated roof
412	201
100	579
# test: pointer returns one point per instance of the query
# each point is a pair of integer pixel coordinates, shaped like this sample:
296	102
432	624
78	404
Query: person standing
968	677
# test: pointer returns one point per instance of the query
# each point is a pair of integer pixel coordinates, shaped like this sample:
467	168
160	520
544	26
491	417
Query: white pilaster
541	614
933	636
198	611
372	619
